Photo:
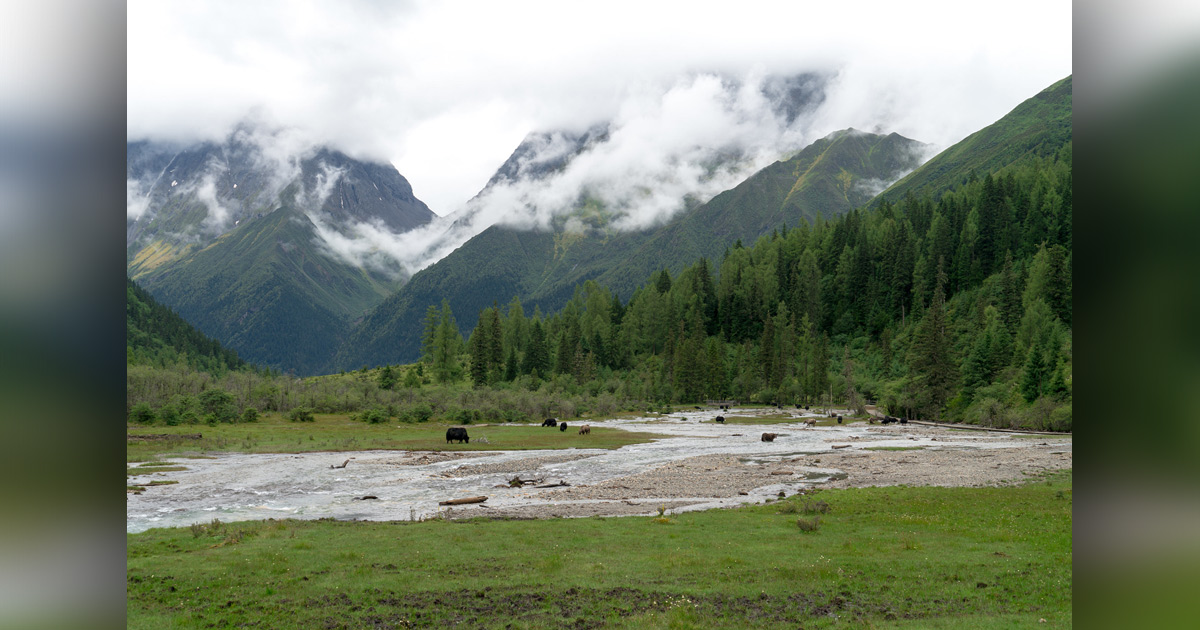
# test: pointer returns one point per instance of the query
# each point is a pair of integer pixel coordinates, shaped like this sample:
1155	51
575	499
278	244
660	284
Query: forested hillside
947	300
825	179
1037	127
156	336
957	309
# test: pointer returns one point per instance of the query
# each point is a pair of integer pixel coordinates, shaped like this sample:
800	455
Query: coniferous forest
957	309
954	308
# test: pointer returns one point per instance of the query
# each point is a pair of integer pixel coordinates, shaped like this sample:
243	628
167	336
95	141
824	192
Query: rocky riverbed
700	465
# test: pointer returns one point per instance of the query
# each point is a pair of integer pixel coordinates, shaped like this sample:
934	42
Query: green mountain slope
1038	127
826	179
269	291
206	236
156	335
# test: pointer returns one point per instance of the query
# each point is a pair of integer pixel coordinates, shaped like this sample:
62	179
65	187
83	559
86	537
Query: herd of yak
459	434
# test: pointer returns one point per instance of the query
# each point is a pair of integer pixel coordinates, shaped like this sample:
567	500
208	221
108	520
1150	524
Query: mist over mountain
180	198
263	241
666	149
542	266
1037	127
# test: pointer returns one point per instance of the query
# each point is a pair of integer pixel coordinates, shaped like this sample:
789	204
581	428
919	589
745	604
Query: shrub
815	507
1060	418
217	406
375	416
301	414
809	524
250	415
169	414
462	416
142	413
420	412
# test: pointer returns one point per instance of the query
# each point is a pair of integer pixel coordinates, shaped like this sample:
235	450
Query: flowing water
235	487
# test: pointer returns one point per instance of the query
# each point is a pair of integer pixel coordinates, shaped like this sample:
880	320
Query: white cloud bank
445	91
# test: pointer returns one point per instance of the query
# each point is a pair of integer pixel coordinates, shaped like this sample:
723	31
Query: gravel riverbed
698	464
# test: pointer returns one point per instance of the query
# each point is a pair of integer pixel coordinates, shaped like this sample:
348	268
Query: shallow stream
235	487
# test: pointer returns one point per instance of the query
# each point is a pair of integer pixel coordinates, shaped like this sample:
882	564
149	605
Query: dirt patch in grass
574	607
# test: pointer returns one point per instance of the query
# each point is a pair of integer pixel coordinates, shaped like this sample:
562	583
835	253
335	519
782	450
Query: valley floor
697	464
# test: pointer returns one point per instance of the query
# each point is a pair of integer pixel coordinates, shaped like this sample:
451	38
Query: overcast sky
446	90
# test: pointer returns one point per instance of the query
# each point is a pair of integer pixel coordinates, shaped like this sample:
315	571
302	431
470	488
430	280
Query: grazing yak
839	419
720	418
457	433
550	422
769	437
890	419
585	430
562	426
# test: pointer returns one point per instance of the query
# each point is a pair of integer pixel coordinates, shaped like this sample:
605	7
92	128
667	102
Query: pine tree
537	357
1033	377
568	342
663	285
495	345
818	378
851	391
386	378
931	366
1009	300
510	366
447	345
429	333
477	347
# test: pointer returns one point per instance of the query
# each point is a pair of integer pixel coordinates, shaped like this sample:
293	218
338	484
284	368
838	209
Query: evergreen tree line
156	335
956	308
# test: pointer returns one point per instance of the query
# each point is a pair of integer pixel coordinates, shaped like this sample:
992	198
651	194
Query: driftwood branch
554	485
463	501
342	466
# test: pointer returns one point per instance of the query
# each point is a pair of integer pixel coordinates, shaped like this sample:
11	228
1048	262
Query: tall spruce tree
447	345
537	357
931	364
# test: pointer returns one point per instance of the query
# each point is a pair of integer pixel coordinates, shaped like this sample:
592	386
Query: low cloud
666	145
689	95
137	198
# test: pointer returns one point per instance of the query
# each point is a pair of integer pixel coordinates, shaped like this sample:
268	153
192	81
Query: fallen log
781	472
554	485
464	501
840	446
342	466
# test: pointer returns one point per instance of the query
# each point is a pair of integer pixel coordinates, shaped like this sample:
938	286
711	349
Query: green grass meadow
899	557
337	432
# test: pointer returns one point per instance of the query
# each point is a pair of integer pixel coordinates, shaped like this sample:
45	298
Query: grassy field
899	557
332	432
